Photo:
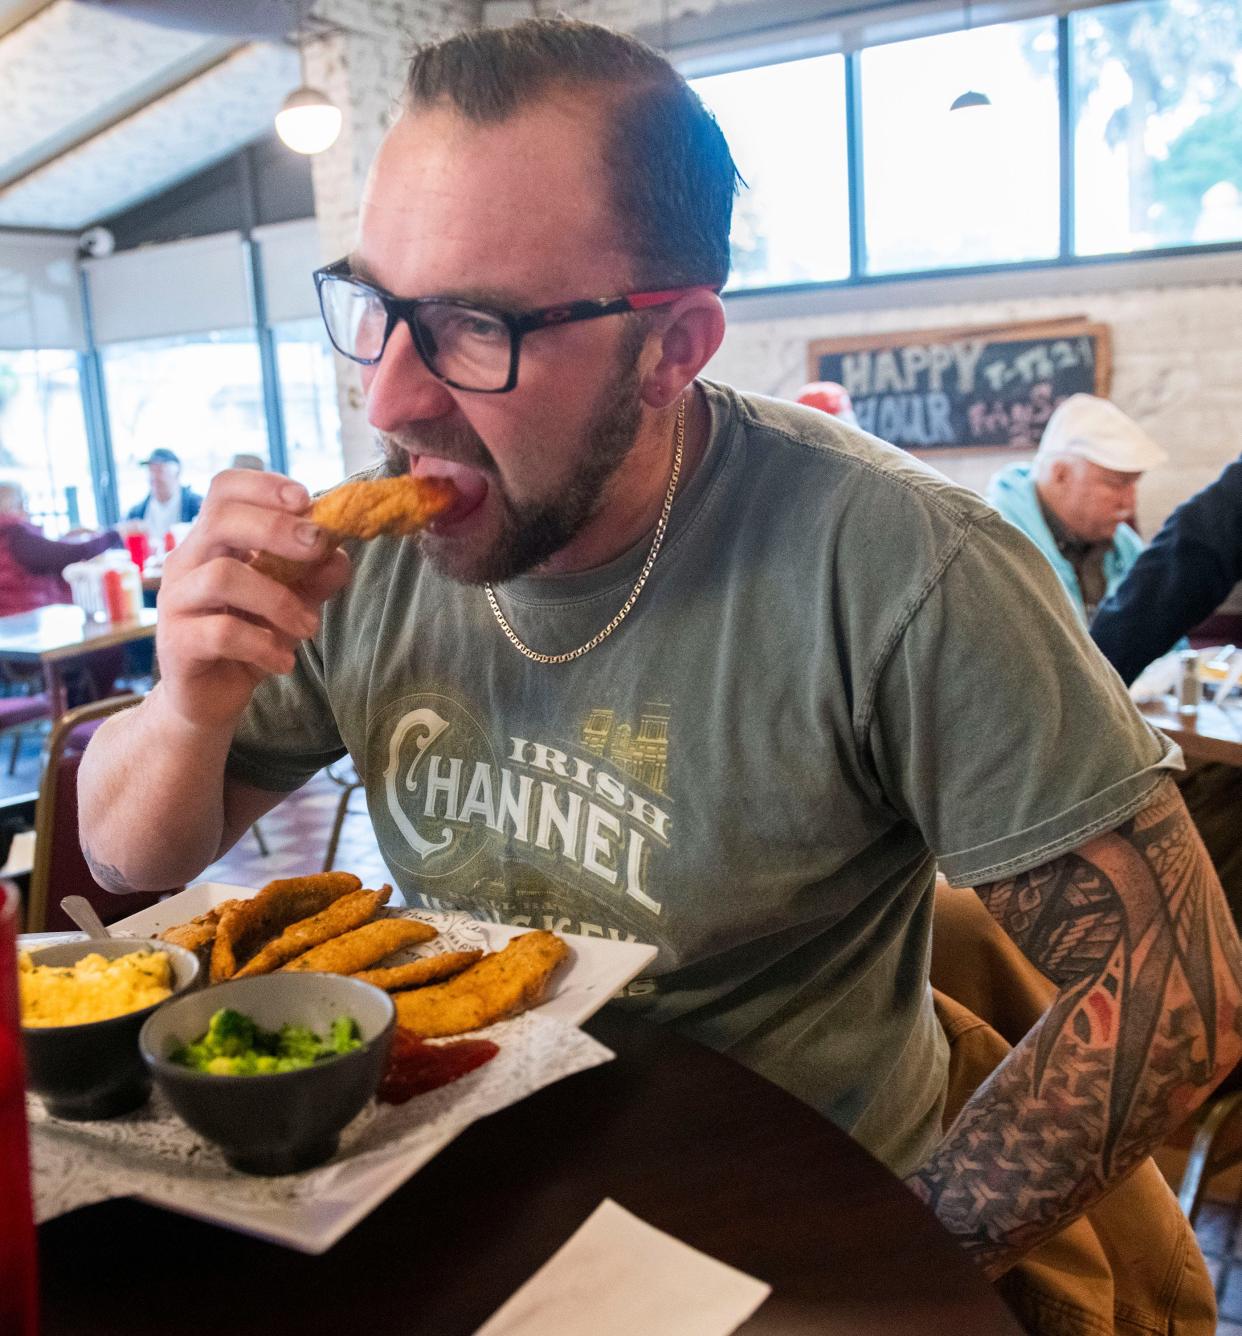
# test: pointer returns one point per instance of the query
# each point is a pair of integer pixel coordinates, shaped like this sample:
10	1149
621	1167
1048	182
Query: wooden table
54	635
1213	734
686	1139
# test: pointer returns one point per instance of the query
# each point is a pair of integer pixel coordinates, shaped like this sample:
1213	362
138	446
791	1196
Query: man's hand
224	626
1134	930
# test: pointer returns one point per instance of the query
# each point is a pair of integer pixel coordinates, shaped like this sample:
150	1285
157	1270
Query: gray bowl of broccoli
271	1068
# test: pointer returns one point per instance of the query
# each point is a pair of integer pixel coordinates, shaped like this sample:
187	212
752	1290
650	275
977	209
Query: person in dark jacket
168	502
1182	578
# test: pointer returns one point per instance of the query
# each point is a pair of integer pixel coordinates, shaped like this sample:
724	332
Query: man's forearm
151	798
1135	931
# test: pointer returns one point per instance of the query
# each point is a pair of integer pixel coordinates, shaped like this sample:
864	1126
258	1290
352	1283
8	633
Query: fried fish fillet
200	931
351	911
365	946
365	509
250	924
501	984
430	969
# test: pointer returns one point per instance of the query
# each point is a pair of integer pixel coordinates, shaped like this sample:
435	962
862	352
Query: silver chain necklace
533	654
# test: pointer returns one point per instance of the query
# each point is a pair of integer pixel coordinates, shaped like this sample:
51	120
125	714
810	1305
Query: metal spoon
82	912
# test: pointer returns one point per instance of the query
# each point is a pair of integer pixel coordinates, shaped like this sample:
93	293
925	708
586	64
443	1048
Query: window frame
740	57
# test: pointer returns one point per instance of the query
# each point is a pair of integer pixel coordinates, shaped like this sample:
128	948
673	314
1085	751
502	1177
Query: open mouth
471	485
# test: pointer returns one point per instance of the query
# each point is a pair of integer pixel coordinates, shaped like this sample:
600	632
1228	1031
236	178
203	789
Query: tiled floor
296	835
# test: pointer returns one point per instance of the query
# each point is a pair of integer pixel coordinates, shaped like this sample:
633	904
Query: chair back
60	868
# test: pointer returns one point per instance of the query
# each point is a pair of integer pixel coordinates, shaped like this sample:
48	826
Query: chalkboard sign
943	388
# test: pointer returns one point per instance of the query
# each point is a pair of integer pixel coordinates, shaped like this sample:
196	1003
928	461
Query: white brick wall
1177	369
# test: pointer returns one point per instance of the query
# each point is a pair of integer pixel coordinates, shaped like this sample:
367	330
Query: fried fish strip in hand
357	950
251	924
365	509
501	984
200	931
341	916
430	969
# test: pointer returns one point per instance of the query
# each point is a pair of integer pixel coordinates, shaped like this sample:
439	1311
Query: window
199	396
1157	117
43	438
786	126
980	185
306	370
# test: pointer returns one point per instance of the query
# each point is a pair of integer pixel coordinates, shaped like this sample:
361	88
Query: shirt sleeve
996	727
288	732
1182	578
46	556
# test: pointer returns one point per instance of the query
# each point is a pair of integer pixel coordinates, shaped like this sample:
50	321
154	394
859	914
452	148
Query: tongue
470	483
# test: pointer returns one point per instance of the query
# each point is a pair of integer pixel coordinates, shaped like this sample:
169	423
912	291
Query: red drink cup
139	548
18	1302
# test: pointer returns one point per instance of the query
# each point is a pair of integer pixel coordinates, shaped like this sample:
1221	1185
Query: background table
1213	734
53	635
686	1139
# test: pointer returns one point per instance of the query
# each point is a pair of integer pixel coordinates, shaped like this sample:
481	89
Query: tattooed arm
1133	929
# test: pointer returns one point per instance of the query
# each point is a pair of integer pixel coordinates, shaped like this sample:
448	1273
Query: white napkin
628	1276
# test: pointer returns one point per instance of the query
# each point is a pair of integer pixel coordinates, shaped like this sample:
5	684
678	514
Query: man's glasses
466	346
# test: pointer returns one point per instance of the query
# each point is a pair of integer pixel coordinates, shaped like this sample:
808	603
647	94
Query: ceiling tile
180	133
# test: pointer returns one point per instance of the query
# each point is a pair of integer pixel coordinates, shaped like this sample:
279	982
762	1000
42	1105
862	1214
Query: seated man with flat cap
1074	498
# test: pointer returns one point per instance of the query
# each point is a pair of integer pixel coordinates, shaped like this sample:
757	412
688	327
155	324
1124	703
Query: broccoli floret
224	1066
343	1037
298	1042
196	1055
229	1033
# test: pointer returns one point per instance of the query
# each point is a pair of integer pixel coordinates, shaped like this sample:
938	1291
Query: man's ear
684	340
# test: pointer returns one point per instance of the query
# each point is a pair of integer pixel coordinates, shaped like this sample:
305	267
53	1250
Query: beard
530	531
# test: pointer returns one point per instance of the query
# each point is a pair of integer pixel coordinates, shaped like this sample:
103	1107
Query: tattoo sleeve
1133	929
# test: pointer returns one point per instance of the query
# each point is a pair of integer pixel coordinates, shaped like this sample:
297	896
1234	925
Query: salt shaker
1189	687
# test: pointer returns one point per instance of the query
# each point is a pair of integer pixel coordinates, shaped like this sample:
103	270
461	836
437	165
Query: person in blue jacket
1074	498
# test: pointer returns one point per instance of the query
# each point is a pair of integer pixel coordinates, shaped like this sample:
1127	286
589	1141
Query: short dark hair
672	176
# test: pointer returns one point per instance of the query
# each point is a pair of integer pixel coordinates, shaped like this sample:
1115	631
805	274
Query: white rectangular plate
151	1156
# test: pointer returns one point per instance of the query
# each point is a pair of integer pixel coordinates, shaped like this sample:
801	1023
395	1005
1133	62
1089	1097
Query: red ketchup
415	1066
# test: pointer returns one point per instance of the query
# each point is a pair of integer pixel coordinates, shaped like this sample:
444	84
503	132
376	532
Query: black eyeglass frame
517	323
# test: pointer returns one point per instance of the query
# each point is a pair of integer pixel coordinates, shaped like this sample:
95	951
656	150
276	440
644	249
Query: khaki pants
1131	1264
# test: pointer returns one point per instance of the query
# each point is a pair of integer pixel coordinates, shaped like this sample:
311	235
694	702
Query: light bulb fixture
309	121
970	98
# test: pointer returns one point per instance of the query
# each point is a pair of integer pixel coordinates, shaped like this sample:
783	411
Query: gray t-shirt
843	670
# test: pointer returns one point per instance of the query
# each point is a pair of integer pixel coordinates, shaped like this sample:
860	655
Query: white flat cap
1097	430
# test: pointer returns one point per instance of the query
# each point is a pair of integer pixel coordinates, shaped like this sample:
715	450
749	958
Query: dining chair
1217	1143
60	868
349	783
17	713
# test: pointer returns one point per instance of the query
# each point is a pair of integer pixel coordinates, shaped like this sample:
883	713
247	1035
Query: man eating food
686	665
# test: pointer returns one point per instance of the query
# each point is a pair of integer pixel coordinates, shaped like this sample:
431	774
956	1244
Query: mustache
457	442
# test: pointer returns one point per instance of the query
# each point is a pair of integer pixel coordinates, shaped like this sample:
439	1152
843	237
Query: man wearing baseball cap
168	502
1074	498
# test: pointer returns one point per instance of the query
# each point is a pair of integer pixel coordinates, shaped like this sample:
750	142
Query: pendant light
970	98
309	121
